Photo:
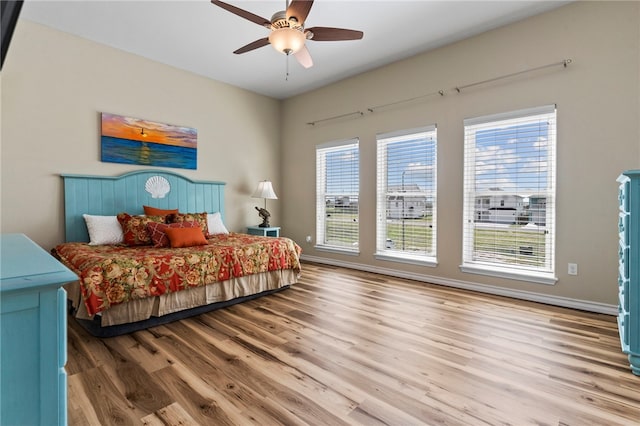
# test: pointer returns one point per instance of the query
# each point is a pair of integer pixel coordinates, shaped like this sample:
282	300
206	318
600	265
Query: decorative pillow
158	234
134	228
186	237
153	211
201	218
103	230
215	224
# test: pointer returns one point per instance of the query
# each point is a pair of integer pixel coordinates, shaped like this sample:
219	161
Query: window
337	196
406	196
509	164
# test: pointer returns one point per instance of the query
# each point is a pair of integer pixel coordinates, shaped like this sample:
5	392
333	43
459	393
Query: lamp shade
265	190
287	40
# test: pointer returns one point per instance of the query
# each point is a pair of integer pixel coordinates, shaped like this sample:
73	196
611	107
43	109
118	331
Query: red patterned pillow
200	218
134	228
158	234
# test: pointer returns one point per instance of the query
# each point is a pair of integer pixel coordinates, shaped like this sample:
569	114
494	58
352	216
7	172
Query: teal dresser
629	266
33	334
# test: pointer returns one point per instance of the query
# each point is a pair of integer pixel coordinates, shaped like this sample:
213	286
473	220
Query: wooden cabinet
33	334
273	231
629	266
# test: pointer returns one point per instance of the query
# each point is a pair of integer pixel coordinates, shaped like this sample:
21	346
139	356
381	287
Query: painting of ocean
116	150
136	141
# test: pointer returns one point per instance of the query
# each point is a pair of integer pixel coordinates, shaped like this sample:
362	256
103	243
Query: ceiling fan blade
253	45
333	34
299	9
304	57
243	13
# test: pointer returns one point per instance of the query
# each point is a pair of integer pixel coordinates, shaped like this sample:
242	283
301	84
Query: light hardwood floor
350	347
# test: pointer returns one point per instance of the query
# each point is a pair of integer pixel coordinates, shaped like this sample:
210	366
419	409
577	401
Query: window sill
512	274
404	258
338	250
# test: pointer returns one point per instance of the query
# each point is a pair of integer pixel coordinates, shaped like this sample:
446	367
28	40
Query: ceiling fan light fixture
287	40
288	34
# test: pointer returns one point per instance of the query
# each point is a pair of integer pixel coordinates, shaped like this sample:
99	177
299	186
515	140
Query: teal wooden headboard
108	196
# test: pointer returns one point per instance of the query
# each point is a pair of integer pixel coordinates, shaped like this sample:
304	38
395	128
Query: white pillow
103	230
215	225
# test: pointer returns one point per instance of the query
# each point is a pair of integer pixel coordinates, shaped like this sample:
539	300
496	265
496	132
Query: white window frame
543	274
383	251
322	194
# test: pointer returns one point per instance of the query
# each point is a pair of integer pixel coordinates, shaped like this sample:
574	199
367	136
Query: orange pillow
153	211
158	235
185	237
201	218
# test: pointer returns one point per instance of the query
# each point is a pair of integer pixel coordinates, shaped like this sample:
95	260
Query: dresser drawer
623	196
623	227
62	356
623	298
623	262
623	327
623	284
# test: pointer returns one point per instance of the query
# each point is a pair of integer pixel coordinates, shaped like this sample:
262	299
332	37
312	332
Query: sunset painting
136	141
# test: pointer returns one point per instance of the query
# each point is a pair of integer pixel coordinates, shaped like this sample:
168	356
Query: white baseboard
565	302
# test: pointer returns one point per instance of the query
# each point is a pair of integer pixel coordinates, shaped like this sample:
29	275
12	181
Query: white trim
405	258
510	273
545	109
406	132
326	146
338	250
565	302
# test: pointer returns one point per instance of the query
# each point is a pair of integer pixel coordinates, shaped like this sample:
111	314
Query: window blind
337	195
406	194
509	192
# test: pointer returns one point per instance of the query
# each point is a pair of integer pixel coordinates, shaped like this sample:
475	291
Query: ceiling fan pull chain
286	76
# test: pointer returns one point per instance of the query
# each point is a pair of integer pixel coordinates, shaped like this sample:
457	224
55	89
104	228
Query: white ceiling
200	37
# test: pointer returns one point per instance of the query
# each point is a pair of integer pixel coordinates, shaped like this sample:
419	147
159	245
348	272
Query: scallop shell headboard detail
157	186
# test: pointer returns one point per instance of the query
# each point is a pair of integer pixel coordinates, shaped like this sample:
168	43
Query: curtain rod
564	63
373	108
349	114
458	89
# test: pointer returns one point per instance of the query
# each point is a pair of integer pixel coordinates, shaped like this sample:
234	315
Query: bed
176	261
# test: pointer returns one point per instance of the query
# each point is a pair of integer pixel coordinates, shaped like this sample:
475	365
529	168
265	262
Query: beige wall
597	98
54	86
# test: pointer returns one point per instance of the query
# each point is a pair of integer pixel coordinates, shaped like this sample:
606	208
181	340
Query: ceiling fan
288	34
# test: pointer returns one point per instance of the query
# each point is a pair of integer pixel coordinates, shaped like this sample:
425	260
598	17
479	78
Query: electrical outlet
309	238
572	269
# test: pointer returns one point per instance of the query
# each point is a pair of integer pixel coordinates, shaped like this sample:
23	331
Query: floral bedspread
113	274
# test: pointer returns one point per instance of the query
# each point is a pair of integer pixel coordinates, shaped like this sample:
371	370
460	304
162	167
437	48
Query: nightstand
273	231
